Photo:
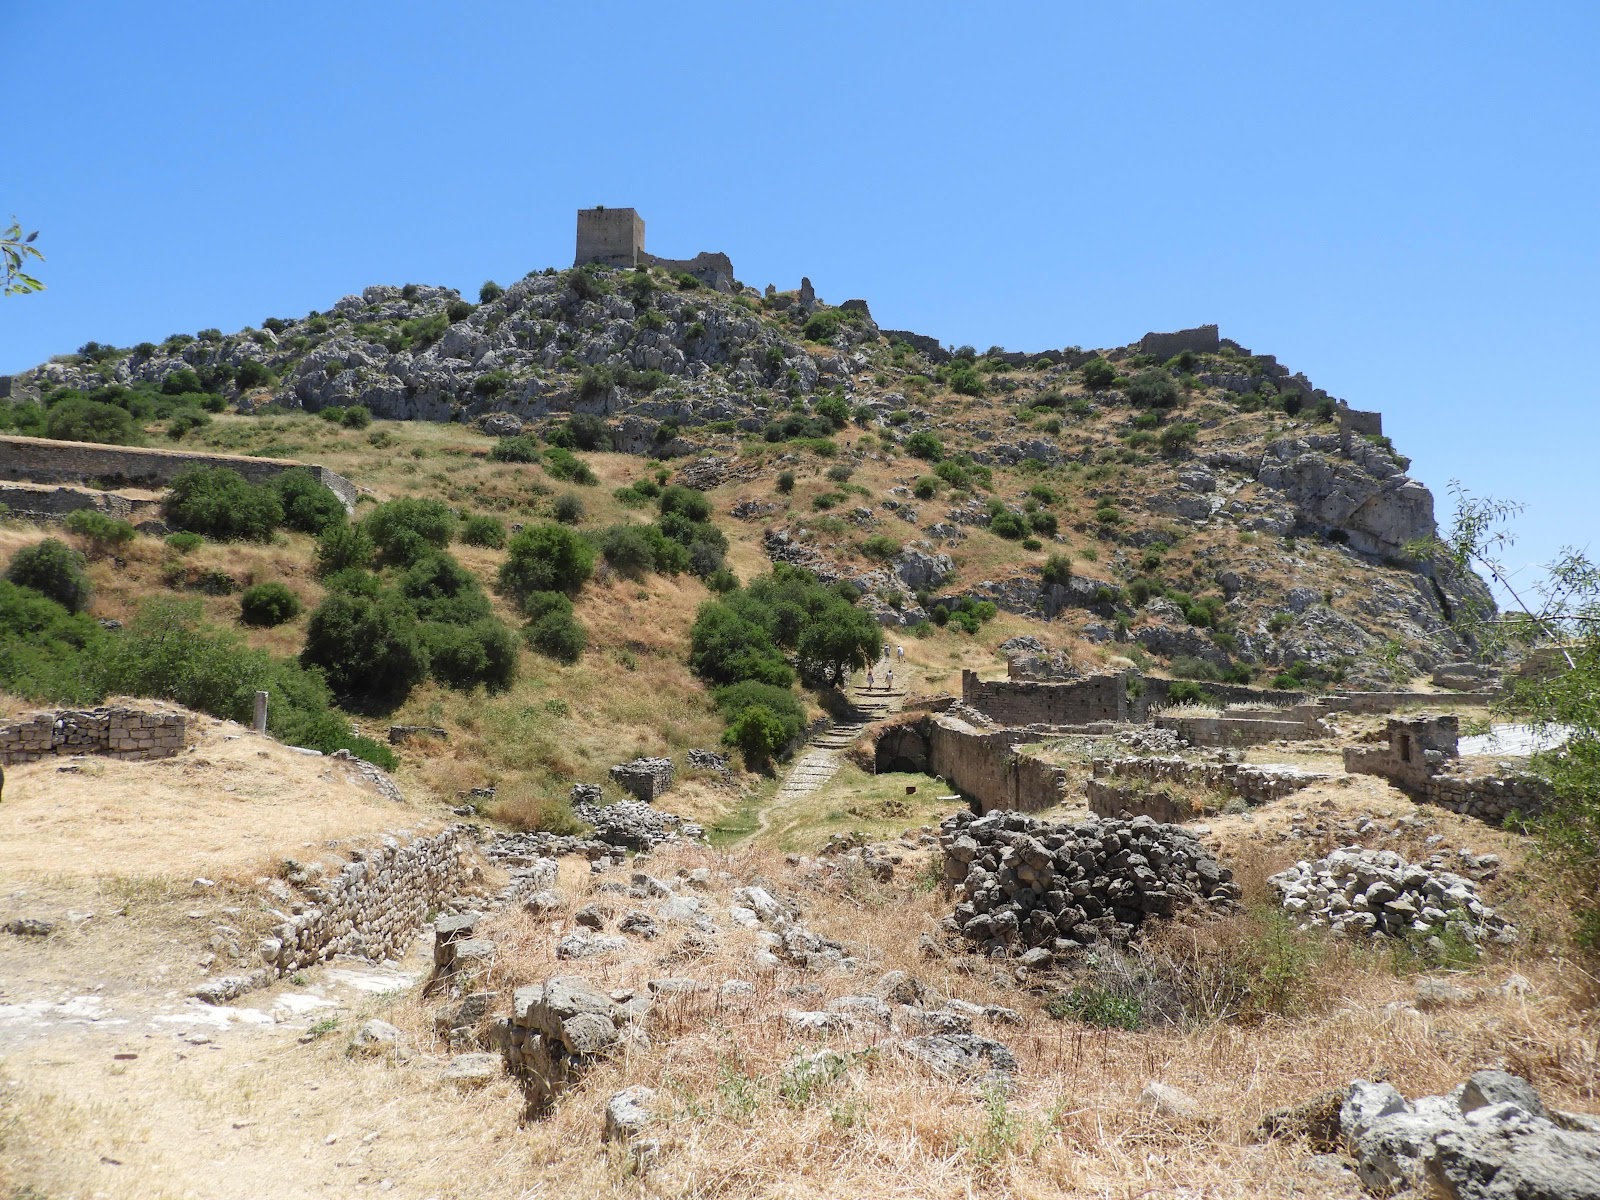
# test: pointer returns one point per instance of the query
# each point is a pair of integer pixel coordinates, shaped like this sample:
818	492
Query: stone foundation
129	733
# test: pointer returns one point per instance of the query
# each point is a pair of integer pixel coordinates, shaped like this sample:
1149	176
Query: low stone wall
372	905
1156	694
1250	782
1490	798
42	460
1237	731
41	503
131	733
1385	702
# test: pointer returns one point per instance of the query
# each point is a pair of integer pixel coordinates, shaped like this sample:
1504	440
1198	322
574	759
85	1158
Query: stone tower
613	237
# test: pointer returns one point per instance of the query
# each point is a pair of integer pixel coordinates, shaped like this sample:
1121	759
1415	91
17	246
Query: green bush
1057	571
54	570
1187	691
1043	523
1177	438
221	504
355	417
371	651
482	530
628	550
343	547
522	448
308	506
490	292
47	654
568	508
1152	388
101	532
685	502
441	590
785	482
560	463
880	547
458	310
404	530
821	326
546	558
1097	373
186	421
81	420
251	374
463	656
268	604
923	444
556	635
185	543
1008	525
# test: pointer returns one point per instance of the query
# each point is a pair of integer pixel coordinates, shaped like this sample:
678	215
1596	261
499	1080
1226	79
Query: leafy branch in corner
16	248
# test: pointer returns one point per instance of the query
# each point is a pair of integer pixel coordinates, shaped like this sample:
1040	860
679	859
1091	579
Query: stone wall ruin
128	733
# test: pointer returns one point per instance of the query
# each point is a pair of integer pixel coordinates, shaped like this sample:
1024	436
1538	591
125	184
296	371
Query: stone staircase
819	761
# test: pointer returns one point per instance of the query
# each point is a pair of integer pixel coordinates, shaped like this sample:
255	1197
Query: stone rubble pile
635	825
1489	1139
561	1027
521	849
1039	888
1379	893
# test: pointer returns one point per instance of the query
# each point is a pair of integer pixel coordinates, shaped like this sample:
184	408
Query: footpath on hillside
819	761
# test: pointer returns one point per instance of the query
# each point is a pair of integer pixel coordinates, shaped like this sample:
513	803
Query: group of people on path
888	671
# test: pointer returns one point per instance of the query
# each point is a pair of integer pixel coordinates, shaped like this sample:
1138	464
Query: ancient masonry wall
37	502
372	905
1251	783
130	733
1238	731
41	460
1202	339
612	236
987	768
1022	702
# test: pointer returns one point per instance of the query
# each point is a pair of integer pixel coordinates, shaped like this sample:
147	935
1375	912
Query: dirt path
819	761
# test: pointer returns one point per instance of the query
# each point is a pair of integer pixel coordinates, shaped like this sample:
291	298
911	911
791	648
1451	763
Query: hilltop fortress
614	237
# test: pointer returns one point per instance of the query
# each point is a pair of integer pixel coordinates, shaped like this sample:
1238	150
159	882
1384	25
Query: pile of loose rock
560	1027
1044	888
1379	893
1490	1138
523	849
635	825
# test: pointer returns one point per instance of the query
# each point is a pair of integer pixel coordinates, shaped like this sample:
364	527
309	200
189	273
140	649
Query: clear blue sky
1400	200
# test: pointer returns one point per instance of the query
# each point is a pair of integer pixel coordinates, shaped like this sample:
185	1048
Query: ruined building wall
1023	702
1202	339
132	733
41	460
986	767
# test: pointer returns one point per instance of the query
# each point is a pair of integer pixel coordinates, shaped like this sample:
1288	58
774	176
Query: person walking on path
869	679
900	653
888	676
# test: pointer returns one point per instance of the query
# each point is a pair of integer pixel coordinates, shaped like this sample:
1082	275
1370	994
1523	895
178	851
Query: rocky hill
1216	509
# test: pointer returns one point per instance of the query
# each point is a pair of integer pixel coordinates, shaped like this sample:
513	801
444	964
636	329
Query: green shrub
685	502
47	654
1057	571
560	463
1152	388
784	721
463	656
308	506
483	530
81	420
962	378
101	532
880	547
925	445
583	431
185	543
371	651
251	374
628	550
821	326
556	635
926	487
440	590
1008	525
522	448
344	547
1187	691
568	508
355	417
490	292
54	570
785	482
1100	1007
546	558
405	529
1043	523
186	421
1177	438
1097	373
221	504
268	604
458	310
176	383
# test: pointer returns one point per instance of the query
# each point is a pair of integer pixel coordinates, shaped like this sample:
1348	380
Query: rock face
1488	1140
1029	884
1379	893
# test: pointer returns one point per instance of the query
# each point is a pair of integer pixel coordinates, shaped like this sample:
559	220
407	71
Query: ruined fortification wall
612	236
1025	702
41	460
1238	731
986	767
131	733
1202	339
40	503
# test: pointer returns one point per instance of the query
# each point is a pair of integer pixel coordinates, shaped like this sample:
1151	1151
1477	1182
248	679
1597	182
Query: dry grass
224	807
